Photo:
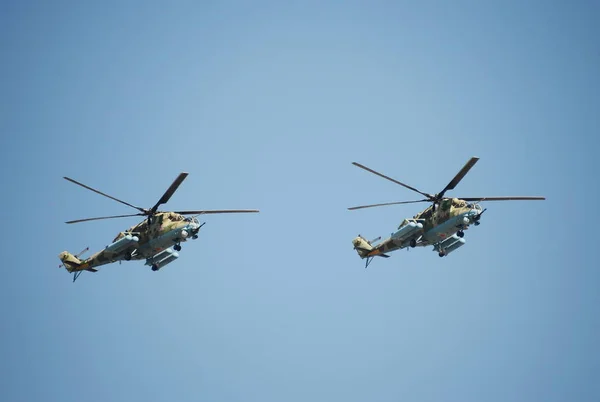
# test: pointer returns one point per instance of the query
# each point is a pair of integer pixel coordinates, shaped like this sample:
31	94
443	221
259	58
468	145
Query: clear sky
266	104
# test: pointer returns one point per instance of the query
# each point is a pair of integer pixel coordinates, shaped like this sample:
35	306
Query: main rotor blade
392	180
106	195
104	217
167	195
459	176
387	203
502	198
217	211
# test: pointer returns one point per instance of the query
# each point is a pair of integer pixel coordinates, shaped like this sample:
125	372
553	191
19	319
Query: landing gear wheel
127	257
441	254
177	247
460	233
154	267
413	243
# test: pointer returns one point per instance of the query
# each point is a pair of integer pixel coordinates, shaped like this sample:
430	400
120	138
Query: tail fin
362	246
70	262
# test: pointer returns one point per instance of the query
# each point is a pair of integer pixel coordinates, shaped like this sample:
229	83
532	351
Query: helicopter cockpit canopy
191	219
176	217
426	214
457	203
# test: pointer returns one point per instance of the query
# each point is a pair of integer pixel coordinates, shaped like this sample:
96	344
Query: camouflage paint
161	224
431	219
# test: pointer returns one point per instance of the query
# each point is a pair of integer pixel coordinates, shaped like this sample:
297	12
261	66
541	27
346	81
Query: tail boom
73	264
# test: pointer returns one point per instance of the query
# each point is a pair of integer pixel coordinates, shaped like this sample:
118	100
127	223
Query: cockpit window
176	217
425	214
458	203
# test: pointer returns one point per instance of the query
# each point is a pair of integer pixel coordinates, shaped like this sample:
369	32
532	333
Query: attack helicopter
157	239
441	225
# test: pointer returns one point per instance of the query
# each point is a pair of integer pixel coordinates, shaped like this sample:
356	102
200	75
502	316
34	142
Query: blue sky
266	104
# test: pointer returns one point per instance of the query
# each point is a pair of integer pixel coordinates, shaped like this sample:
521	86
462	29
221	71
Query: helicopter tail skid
370	258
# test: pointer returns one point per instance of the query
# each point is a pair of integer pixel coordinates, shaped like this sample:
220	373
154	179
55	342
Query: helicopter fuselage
441	225
148	240
432	226
164	230
445	217
156	239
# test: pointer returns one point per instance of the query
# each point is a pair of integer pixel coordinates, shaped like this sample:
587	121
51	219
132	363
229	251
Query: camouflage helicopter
157	239
441	225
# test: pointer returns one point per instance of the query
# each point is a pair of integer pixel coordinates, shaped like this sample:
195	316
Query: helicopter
441	225
157	239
